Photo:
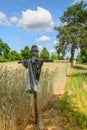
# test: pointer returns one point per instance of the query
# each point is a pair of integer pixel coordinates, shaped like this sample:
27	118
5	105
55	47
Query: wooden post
35	107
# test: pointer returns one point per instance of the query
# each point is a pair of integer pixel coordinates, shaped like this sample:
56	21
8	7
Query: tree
44	54
54	56
71	34
4	49
26	53
82	56
14	55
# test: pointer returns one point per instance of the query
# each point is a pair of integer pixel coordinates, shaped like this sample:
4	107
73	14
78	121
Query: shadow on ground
80	67
49	117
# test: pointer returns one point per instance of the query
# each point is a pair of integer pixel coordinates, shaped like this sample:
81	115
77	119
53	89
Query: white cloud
43	39
4	20
55	42
40	19
13	19
77	1
40	48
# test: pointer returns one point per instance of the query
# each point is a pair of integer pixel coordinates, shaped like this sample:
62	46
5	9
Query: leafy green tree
73	32
26	53
4	49
54	56
44	54
14	55
82	56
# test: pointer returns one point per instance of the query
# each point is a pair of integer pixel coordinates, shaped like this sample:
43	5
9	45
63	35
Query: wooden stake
35	107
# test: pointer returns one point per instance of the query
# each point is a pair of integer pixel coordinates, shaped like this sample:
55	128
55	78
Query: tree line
72	35
6	54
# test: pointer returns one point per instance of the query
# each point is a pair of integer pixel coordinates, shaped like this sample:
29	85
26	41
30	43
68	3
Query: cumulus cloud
40	19
36	20
55	42
78	1
40	47
4	20
43	39
13	19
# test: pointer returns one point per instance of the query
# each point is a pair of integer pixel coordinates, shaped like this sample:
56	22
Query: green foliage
82	57
83	54
73	104
3	59
26	53
54	56
73	33
4	49
13	56
44	54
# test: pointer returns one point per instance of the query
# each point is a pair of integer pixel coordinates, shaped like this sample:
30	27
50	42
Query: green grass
73	104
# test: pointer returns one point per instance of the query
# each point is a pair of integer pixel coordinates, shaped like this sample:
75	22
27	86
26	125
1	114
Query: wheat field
16	106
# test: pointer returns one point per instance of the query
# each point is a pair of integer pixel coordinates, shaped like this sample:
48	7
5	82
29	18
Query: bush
3	59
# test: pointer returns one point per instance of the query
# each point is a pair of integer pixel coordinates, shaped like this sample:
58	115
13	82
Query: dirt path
52	112
50	118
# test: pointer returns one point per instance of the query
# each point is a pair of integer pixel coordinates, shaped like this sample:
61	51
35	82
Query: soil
50	117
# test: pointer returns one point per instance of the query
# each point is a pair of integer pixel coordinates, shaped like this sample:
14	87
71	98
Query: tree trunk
72	54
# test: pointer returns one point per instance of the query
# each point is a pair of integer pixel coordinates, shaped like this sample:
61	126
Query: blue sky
28	22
